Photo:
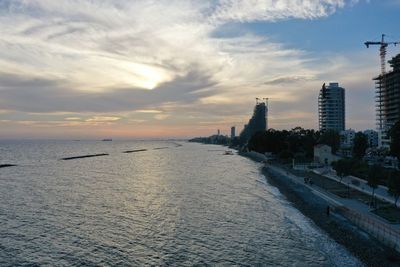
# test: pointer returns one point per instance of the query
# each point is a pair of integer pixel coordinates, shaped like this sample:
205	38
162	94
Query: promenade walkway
358	184
354	210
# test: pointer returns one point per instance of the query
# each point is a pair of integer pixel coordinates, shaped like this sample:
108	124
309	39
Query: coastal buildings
258	122
233	132
331	107
323	155
347	142
388	100
372	137
347	138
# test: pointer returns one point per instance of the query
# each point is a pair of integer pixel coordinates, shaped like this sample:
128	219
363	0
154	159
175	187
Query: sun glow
104	73
145	76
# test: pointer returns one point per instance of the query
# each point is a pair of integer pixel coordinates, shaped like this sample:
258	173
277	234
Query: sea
172	203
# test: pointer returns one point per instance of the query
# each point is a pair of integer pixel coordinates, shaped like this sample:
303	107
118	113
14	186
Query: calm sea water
179	206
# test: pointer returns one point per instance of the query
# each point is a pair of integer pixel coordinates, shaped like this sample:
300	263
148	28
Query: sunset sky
182	68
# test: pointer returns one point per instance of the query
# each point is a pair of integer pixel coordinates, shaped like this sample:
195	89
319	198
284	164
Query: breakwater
134	151
7	165
85	156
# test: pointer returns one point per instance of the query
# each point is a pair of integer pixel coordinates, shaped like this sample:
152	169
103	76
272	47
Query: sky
88	69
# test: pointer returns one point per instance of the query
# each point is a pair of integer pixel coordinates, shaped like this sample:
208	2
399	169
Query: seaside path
381	192
336	201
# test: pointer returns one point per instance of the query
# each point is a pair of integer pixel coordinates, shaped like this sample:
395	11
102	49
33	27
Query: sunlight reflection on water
175	206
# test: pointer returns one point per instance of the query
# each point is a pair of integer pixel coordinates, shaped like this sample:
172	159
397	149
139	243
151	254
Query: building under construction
259	120
388	100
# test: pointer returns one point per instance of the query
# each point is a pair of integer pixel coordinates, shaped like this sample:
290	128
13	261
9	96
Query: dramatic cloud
150	61
272	10
291	79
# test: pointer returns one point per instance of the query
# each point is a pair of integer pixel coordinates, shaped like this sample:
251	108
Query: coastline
363	246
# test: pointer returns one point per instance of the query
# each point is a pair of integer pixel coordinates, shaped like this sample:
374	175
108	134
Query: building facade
372	137
323	155
388	101
346	143
347	138
331	107
258	122
233	132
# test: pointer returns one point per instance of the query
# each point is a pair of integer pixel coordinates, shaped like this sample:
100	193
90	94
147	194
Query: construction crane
262	100
381	94
382	50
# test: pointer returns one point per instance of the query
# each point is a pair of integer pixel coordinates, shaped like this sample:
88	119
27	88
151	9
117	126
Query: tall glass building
331	107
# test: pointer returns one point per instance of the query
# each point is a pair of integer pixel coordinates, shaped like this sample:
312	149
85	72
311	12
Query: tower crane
382	50
262	100
381	94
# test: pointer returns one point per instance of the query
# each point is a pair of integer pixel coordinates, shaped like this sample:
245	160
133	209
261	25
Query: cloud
273	10
149	60
151	111
161	116
73	119
289	79
42	96
103	119
137	44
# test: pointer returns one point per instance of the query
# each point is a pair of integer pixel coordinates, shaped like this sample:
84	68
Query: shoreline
360	244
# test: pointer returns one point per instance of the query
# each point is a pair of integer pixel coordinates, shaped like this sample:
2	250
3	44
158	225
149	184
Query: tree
301	142
235	142
360	145
394	134
330	138
268	141
373	180
342	168
286	155
394	185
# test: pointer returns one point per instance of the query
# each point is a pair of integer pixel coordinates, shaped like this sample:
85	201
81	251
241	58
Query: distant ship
107	140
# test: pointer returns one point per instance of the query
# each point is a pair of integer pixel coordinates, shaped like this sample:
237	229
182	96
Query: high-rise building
331	107
233	132
258	121
388	101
